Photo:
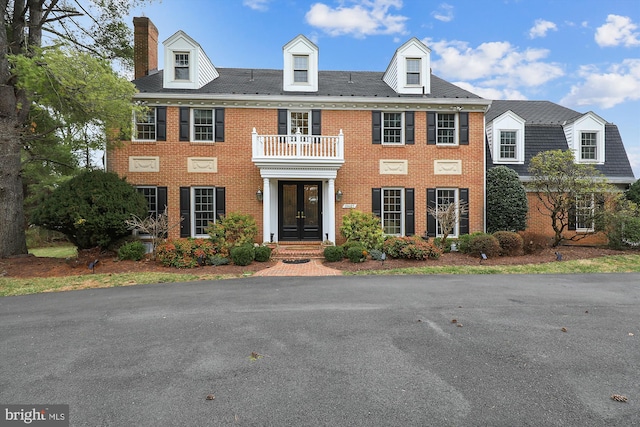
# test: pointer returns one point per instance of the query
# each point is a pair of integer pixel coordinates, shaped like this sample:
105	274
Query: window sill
202	142
143	142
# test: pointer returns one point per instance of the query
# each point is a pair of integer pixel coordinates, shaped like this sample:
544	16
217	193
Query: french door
300	210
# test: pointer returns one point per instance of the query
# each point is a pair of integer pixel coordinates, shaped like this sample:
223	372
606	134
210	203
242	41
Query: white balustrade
297	146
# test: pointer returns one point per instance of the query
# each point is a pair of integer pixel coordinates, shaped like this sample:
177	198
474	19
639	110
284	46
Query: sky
582	54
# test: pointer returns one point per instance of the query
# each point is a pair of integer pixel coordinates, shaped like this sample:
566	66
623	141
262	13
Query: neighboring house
298	148
518	130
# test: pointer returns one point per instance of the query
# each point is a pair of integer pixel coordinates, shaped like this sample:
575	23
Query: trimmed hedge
484	244
511	243
134	251
263	253
534	243
357	253
413	247
243	255
333	253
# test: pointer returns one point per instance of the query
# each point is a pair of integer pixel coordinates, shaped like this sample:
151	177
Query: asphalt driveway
332	351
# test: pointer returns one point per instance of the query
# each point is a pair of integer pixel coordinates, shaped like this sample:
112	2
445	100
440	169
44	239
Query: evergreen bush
484	244
507	204
263	253
357	253
333	253
511	243
411	247
134	251
242	255
533	243
364	228
232	230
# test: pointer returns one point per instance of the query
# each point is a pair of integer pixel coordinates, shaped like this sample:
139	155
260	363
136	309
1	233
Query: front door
299	209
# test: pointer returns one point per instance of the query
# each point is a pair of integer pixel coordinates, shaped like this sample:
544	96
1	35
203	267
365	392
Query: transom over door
300	210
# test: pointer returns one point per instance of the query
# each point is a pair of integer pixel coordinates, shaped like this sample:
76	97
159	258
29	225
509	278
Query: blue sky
583	54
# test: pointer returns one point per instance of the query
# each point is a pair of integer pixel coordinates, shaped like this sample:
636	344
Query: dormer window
181	66
301	68
413	71
589	146
508	145
505	134
586	137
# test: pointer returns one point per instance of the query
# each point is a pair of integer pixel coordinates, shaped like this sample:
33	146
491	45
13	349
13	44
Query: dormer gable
585	136
409	71
505	135
300	71
186	64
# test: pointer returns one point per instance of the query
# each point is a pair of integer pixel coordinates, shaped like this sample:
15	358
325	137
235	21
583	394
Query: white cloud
541	27
490	92
620	83
619	30
444	13
366	17
260	5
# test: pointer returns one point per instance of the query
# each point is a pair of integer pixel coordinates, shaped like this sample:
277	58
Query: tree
633	192
558	181
507	205
22	24
447	215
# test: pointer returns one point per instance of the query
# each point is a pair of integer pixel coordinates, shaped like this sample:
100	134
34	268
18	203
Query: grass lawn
62	251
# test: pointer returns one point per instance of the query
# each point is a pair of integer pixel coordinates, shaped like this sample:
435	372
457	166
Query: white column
266	210
331	211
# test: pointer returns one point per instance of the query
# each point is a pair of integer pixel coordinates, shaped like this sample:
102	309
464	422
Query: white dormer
585	136
300	71
186	64
505	135
409	69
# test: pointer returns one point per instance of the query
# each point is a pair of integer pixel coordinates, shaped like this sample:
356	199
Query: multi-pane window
446	129
203	121
300	69
585	212
588	146
392	211
146	125
413	71
508	144
203	209
181	66
299	120
445	198
392	128
151	194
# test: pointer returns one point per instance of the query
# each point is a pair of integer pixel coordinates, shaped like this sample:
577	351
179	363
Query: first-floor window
392	128
203	210
585	210
151	195
146	125
392	207
446	197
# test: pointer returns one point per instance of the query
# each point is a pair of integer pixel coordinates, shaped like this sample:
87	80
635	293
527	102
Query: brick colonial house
298	148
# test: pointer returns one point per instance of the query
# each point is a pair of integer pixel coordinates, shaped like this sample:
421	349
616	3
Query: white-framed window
393	211
145	125
414	65
585	211
299	120
392	128
151	195
301	68
181	66
202	210
446	197
203	121
446	129
589	146
508	145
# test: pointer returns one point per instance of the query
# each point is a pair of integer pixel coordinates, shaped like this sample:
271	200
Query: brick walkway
312	268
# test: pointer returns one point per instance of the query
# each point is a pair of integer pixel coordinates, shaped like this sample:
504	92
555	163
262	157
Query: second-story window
508	145
413	71
146	125
203	122
299	120
300	68
589	146
181	66
392	128
446	129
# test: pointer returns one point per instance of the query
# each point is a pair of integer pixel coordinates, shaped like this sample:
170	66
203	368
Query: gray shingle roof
534	112
330	83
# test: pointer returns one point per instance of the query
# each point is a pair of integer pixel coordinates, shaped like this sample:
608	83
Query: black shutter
571	223
376	119
316	128
220	202
464	219
431	220
463	121
161	200
184	123
185	211
161	123
409	212
219	136
409	127
282	122
376	201
431	128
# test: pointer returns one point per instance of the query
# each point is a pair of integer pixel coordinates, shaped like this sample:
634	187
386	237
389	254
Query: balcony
297	150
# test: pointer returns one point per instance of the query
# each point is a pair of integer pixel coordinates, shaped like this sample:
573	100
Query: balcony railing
297	147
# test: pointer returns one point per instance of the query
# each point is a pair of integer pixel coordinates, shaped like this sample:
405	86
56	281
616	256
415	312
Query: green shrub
263	253
375	254
507	205
364	228
511	243
357	253
349	244
132	250
243	255
413	247
216	260
484	244
533	243
185	253
91	209
232	230
463	242
333	253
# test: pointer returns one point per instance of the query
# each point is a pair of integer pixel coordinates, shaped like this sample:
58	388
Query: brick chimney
145	47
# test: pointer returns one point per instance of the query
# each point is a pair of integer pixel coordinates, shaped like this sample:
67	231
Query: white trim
192	125
456	229
456	129
508	122
402	129
192	212
402	209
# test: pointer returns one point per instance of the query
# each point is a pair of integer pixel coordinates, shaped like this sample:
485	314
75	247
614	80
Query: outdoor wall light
339	196
259	195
